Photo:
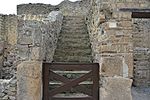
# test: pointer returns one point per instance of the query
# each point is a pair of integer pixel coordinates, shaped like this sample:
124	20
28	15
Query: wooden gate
58	84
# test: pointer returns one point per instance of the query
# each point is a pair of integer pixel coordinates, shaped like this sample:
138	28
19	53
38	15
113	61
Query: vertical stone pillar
29	80
29	72
36	42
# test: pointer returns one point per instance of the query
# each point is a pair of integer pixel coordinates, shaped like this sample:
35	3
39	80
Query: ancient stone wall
37	34
10	29
115	5
34	9
66	7
8	89
111	32
25	38
8	57
141	36
74	8
111	38
1	42
36	43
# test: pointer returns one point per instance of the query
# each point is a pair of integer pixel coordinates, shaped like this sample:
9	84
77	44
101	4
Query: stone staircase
73	44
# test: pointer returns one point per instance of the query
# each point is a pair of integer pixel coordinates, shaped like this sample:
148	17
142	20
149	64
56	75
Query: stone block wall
8	89
25	38
8	39
74	8
8	57
36	43
34	9
1	43
111	38
141	36
115	88
112	33
37	36
115	5
66	7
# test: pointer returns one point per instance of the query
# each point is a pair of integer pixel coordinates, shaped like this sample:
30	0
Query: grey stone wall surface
111	36
8	89
141	37
10	40
34	9
25	38
66	7
37	41
1	43
8	57
115	88
37	38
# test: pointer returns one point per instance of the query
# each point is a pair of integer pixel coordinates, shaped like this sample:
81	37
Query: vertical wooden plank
95	78
45	81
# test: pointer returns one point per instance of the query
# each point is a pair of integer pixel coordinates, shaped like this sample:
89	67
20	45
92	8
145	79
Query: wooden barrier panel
81	87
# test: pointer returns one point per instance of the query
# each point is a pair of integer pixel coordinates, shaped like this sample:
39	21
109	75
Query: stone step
68	48
74	17
77	52
74	27
67	55
74	35
72	59
74	44
73	22
69	23
73	40
69	20
74	31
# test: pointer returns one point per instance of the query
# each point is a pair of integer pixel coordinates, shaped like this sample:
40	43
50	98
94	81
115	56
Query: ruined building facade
112	37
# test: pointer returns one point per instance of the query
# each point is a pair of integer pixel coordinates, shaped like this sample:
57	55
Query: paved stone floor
141	93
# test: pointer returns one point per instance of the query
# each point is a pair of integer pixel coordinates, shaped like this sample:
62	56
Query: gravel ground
141	93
